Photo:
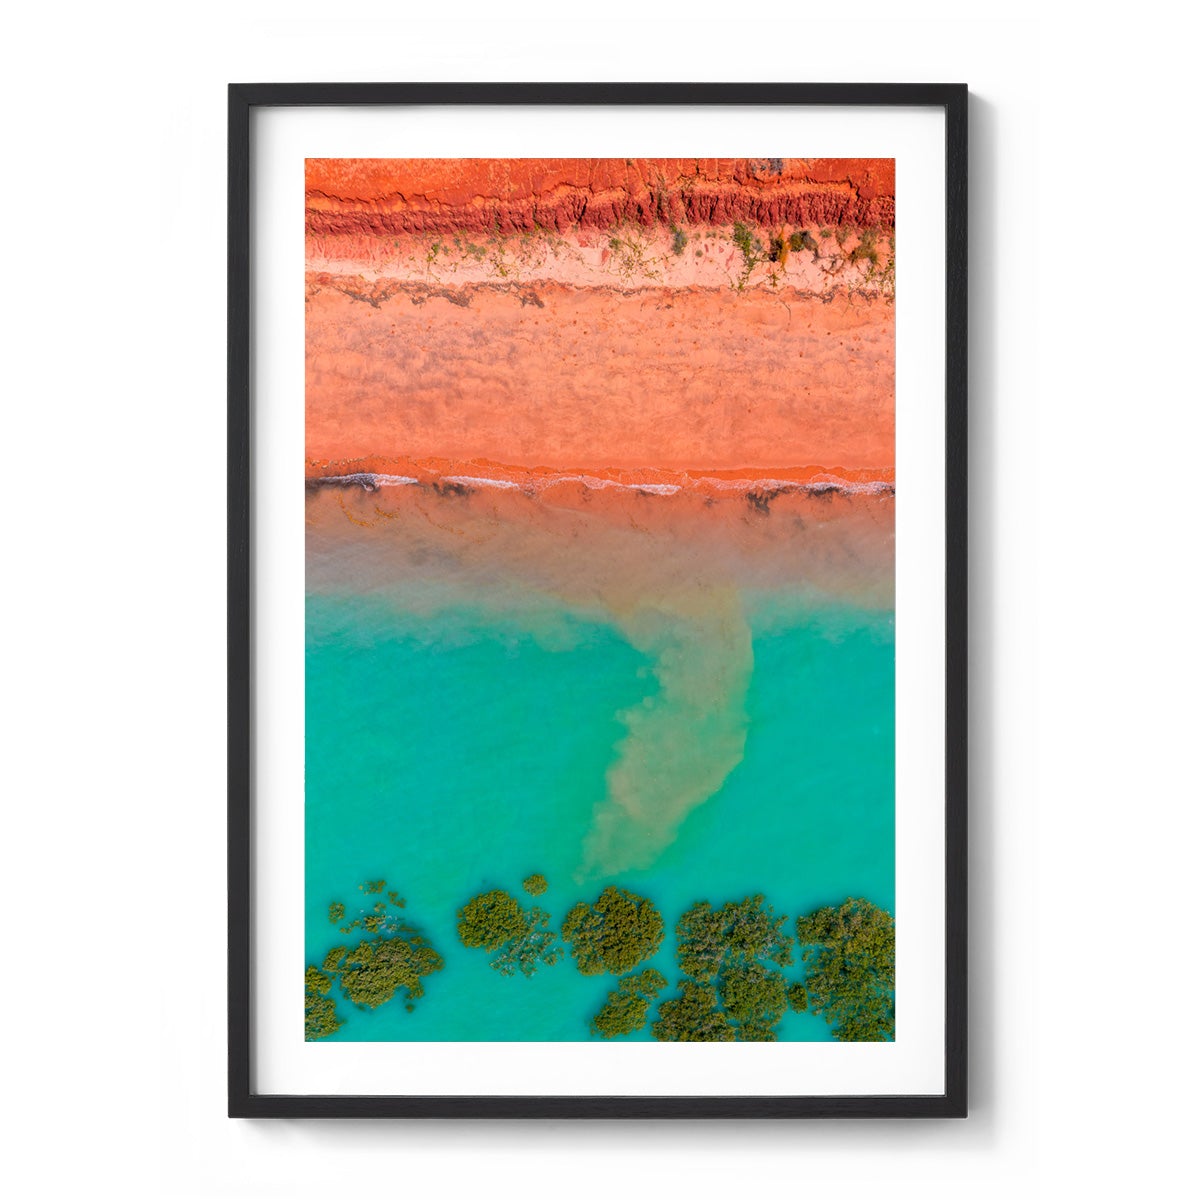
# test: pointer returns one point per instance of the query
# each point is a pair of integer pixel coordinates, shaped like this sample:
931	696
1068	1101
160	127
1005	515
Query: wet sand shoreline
611	547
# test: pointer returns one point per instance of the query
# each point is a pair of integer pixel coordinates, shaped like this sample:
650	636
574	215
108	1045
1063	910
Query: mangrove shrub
490	920
797	998
614	934
692	1016
320	1017
741	931
850	952
730	948
376	969
625	1009
522	940
393	957
535	945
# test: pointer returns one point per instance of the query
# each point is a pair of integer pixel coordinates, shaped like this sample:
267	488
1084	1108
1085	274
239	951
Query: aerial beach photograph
600	613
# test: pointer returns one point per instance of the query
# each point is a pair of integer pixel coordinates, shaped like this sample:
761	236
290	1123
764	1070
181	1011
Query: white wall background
1084	627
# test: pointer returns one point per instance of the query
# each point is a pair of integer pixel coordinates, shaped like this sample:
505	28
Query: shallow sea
462	751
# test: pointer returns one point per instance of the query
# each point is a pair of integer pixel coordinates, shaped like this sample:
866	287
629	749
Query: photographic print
599	691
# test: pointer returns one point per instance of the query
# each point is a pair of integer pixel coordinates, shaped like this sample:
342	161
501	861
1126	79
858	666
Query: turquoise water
462	752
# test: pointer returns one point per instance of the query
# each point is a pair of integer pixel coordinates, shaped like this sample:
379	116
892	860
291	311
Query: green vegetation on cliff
850	952
614	934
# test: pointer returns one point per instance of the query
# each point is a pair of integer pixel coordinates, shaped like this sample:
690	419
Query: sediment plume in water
682	742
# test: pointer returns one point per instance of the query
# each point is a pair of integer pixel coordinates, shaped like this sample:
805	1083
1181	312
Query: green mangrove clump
535	884
521	940
692	1016
489	920
534	946
374	971
850	952
625	1009
614	934
754	998
337	912
316	981
740	931
320	1011
797	998
728	952
394	957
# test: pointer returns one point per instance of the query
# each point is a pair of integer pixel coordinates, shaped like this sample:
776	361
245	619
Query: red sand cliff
388	196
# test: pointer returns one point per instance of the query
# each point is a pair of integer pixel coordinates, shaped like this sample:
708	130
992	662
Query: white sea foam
591	481
363	478
819	483
482	481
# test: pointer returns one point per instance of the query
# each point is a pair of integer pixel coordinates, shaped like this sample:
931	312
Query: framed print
597	511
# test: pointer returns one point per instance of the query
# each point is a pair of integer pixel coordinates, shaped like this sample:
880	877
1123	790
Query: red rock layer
384	197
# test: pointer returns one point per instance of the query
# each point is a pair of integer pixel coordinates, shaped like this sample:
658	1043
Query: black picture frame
243	1101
